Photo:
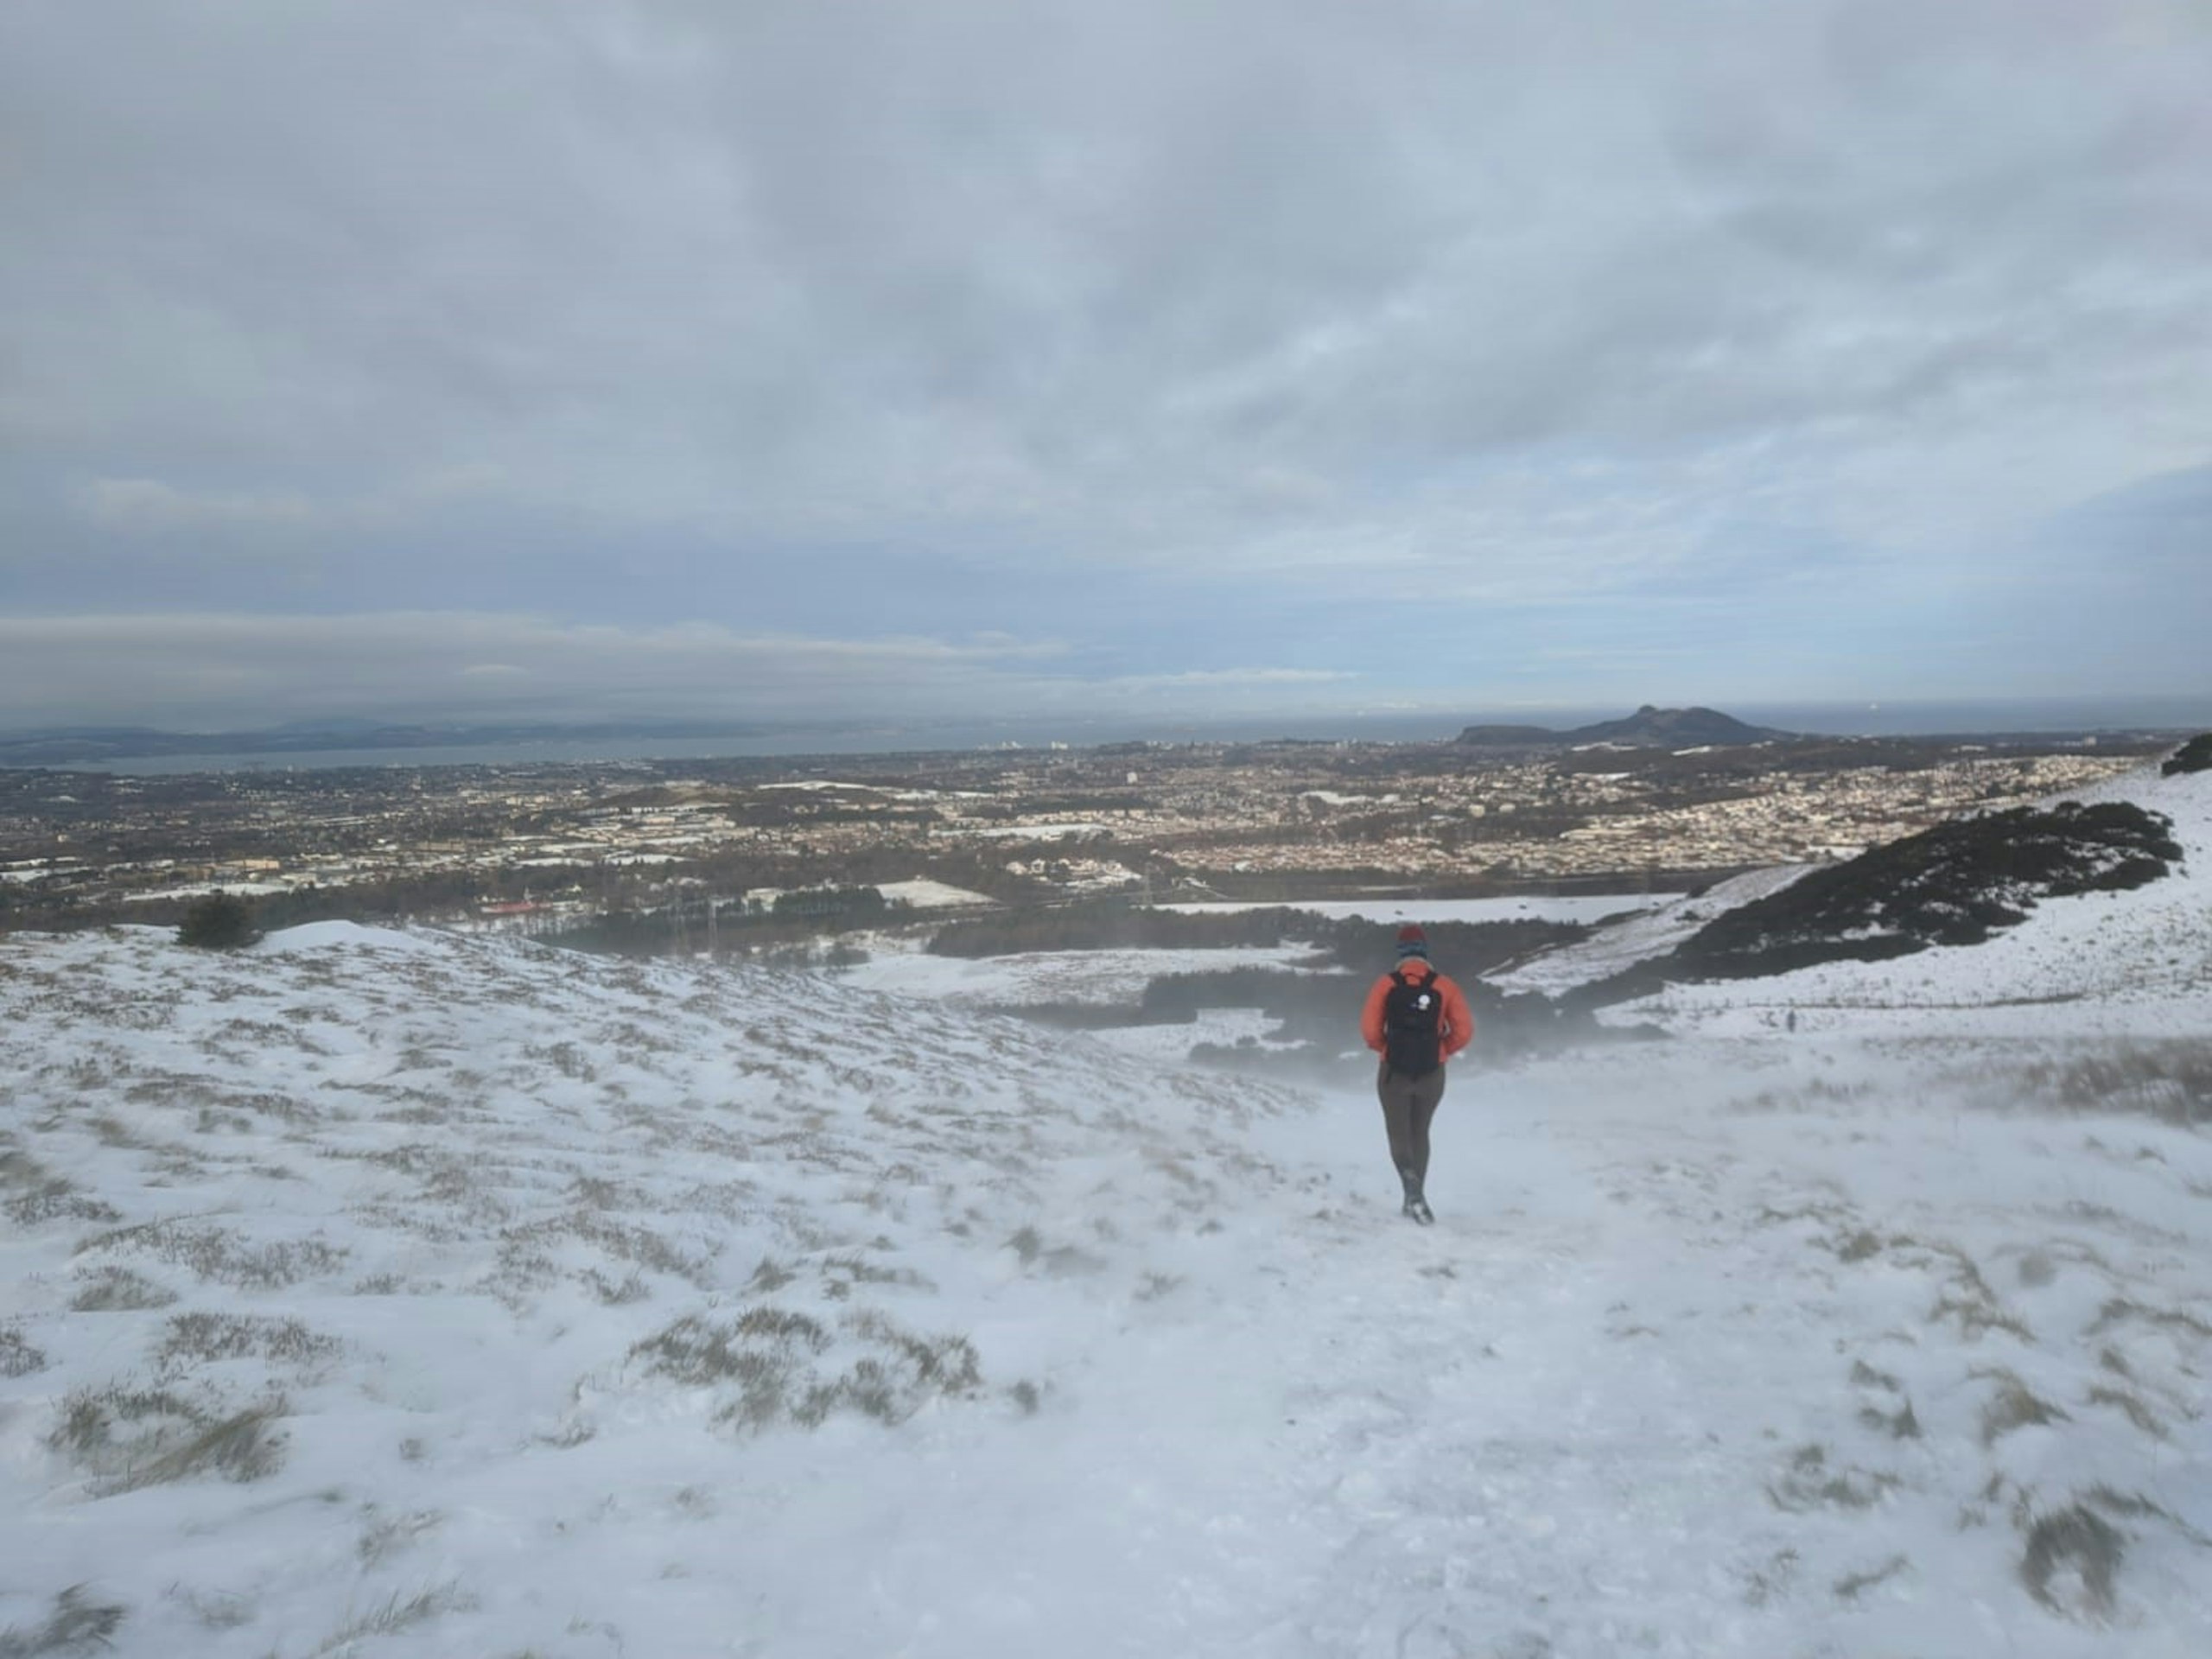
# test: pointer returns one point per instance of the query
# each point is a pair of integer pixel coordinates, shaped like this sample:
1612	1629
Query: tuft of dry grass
1900	1425
1969	1300
1855	1585
218	1610
841	1273
1862	1246
1063	1260
773	1359
130	1438
2071	1564
119	1290
2120	1309
213	1253
2171	1081
2015	1405
57	1201
770	1276
1771	1579
393	1617
1867	1377
1810	1484
2135	1507
2133	1407
762	1353
37	1195
17	1357
386	1535
614	1293
77	1624
199	1336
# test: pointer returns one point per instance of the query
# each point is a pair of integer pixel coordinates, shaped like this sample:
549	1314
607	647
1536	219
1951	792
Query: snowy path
373	1295
1623	1400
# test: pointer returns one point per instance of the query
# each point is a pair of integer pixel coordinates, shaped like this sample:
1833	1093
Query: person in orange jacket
1416	1020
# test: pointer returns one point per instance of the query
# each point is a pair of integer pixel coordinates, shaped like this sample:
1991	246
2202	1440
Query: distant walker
1416	1020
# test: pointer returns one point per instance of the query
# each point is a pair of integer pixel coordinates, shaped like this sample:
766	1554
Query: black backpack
1411	1014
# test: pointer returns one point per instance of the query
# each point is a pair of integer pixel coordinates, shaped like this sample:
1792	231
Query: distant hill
1648	727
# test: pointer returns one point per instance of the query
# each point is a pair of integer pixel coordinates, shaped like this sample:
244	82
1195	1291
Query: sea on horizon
2079	716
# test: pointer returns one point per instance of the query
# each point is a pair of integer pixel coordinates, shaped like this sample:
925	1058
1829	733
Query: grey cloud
217	669
1490	303
148	504
210	668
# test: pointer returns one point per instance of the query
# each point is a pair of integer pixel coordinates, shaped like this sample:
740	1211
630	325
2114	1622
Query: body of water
1867	720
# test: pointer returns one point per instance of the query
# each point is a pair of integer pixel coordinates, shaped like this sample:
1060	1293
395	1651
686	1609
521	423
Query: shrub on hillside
220	921
2196	755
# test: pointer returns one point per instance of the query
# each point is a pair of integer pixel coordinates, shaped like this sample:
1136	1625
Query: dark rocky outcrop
2196	755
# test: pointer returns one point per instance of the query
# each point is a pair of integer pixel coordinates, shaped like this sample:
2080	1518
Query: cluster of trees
783	931
220	921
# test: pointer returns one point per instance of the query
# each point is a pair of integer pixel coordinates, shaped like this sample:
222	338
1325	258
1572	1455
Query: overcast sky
924	356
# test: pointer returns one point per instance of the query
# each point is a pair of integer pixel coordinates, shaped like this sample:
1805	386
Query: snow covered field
922	893
1660	927
373	1294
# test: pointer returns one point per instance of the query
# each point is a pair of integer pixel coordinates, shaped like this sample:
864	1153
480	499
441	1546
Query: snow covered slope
370	1294
2135	962
1638	939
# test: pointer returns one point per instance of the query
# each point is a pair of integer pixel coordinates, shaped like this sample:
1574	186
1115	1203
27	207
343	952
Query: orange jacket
1455	1026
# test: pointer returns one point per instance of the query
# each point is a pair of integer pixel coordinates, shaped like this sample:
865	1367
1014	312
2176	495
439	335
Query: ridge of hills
1650	726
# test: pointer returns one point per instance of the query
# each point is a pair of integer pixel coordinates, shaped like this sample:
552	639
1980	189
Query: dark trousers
1409	1103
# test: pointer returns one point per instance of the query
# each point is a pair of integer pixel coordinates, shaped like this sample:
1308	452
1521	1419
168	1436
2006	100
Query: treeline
805	942
1114	925
1318	1017
794	920
1463	948
436	895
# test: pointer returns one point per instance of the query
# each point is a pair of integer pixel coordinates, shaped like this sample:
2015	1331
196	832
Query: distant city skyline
1121	366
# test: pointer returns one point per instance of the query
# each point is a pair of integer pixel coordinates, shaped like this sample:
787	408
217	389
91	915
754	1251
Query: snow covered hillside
2136	962
375	1293
1657	929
